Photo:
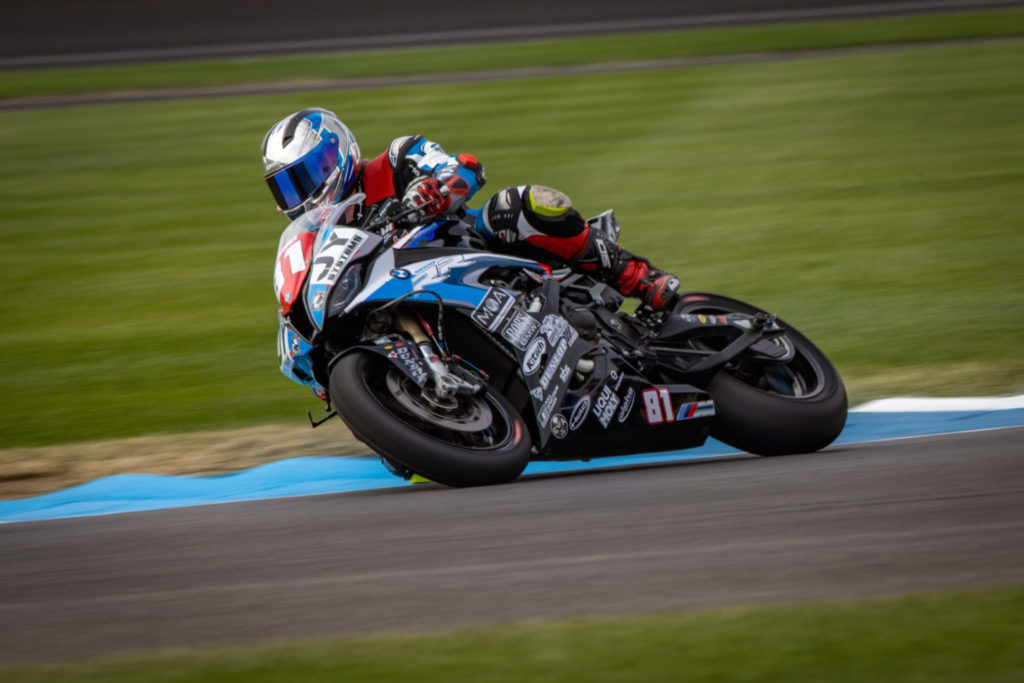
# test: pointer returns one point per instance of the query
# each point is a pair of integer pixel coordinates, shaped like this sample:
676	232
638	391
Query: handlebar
404	213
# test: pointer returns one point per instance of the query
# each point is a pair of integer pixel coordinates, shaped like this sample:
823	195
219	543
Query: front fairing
308	247
296	247
335	250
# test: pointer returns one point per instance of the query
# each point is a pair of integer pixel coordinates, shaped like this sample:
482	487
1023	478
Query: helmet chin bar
331	186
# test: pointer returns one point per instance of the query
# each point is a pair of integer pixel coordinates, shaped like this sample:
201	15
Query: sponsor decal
555	326
537	393
435	272
688	411
563	374
627	404
579	413
553	363
335	253
493	309
534	354
413	366
605	405
545	410
318	299
401	274
706	319
520	329
559	426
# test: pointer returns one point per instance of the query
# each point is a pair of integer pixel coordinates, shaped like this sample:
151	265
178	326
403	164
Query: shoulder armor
399	146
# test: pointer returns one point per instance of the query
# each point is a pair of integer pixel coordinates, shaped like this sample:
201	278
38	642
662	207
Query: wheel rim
472	422
803	377
460	413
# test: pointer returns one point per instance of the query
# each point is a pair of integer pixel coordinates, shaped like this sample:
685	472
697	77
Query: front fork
446	382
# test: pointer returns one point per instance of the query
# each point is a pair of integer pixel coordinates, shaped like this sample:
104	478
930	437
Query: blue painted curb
320	475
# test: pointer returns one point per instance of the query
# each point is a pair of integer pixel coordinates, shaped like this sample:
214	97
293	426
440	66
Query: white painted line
930	405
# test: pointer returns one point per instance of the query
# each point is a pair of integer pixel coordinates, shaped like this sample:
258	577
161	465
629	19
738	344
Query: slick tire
368	403
766	422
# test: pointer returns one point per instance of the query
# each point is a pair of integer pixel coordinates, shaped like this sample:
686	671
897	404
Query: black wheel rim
802	378
499	429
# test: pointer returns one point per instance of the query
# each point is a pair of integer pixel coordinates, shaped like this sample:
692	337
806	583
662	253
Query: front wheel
774	409
464	440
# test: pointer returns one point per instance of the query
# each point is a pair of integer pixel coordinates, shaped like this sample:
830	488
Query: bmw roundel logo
401	274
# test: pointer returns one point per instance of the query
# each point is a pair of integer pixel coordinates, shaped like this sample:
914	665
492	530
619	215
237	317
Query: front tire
478	440
798	407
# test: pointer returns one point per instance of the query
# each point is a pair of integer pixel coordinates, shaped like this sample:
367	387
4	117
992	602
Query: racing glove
428	195
433	197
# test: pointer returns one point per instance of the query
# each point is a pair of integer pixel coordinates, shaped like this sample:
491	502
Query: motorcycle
462	365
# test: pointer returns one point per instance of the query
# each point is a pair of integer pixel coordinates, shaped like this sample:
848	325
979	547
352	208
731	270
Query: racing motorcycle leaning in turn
461	365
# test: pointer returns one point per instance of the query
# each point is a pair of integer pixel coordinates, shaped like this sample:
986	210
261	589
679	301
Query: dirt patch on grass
37	470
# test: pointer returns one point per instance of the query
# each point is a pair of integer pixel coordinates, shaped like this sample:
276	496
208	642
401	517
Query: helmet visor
298	181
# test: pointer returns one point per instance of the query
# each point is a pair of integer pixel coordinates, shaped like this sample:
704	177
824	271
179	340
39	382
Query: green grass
954	637
638	47
874	201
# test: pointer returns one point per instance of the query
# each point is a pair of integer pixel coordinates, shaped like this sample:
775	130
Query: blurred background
855	166
856	170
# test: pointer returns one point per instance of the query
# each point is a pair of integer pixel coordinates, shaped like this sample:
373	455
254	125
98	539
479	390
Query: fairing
610	410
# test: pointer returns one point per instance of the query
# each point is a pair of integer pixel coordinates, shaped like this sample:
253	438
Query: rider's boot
628	273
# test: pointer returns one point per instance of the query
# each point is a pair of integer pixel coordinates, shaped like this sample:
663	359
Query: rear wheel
773	408
461	440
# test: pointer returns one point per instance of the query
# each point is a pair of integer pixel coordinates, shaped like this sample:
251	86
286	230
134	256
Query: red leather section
469	161
631	276
566	248
378	179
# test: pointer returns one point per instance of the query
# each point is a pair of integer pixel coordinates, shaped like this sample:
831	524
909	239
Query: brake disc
469	413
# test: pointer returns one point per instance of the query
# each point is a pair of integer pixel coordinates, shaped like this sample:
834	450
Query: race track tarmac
71	32
890	517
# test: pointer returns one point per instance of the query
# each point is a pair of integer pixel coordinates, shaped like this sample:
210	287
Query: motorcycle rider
312	160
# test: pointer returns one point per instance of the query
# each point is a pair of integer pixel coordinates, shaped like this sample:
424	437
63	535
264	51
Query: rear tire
481	441
801	408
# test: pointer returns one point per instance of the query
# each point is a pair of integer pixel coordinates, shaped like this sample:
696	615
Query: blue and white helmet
310	159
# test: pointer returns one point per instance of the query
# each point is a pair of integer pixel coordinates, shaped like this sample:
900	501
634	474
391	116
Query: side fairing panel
455	278
293	353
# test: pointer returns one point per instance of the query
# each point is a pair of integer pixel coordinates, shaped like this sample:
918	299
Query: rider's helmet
310	159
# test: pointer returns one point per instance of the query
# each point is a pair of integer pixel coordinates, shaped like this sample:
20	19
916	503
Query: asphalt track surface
72	32
872	519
